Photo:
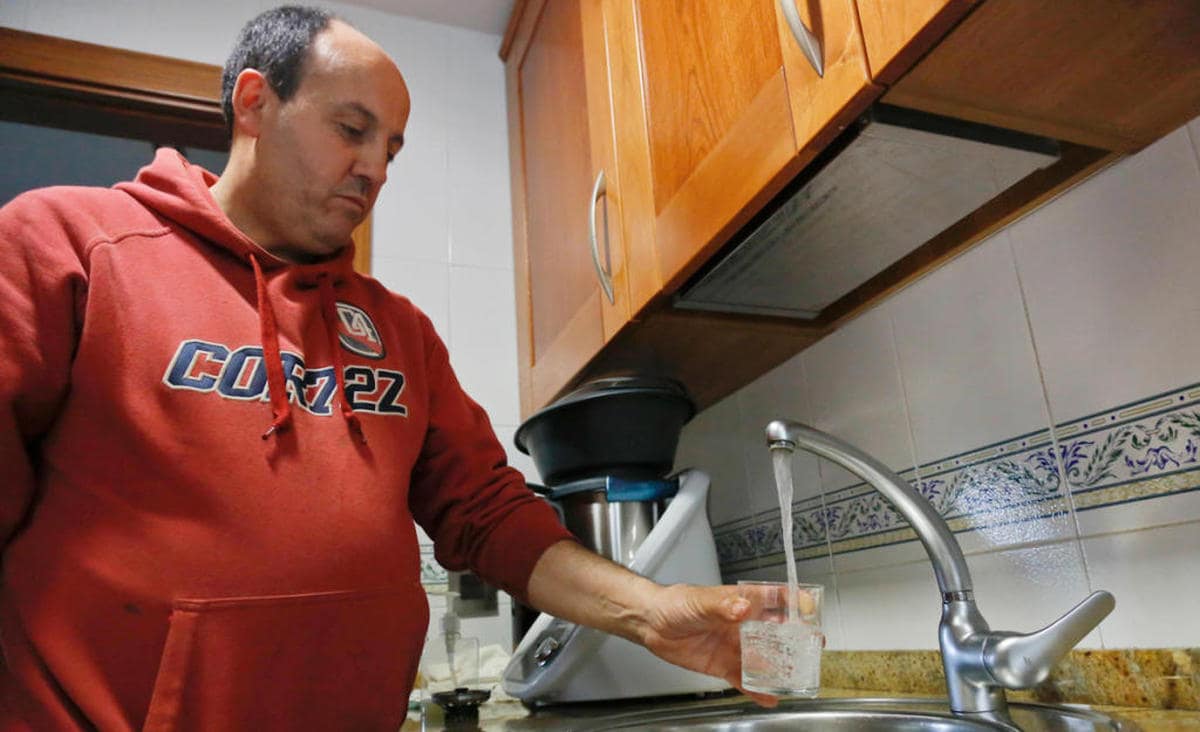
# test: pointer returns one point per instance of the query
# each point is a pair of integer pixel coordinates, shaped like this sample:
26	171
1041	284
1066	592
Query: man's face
322	156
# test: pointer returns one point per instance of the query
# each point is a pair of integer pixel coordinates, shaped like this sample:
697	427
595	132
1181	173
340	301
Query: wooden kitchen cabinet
1111	74
718	108
704	113
564	183
898	32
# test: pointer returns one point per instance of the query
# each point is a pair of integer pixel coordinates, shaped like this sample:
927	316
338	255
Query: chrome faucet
980	663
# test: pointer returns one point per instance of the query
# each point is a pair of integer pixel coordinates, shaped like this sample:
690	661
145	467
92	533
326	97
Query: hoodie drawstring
281	408
329	313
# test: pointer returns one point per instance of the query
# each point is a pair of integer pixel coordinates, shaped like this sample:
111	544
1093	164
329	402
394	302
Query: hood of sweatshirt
180	191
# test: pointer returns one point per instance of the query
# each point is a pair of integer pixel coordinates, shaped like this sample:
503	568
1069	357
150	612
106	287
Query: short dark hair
275	43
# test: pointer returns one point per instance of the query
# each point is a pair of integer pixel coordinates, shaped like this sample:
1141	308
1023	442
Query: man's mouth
357	201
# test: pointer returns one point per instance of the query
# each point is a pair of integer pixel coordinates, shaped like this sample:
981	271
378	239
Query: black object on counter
624	426
461	705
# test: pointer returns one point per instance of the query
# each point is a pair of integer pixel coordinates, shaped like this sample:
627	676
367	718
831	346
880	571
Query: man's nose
371	165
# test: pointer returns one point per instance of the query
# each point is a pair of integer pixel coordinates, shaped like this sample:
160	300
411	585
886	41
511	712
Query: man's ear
251	96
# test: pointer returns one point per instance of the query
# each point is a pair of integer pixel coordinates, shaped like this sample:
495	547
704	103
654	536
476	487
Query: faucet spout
953	577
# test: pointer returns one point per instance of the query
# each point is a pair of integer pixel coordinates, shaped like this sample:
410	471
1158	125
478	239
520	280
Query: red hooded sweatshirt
211	462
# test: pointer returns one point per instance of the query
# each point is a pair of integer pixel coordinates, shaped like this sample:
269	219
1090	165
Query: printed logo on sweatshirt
357	333
241	374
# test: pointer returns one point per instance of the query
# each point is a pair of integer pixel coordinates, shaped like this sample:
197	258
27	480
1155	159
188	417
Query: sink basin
861	715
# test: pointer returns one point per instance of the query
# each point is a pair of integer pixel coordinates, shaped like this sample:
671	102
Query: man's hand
690	626
697	628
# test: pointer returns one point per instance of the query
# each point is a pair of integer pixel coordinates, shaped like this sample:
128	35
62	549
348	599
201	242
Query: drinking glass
781	646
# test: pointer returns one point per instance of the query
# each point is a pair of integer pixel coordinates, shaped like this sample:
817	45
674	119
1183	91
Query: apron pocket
331	660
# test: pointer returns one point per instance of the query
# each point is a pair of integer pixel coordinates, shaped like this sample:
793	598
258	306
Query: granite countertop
1153	689
511	716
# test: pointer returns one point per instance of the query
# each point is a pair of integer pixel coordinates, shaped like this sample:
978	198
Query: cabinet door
560	302
822	104
730	103
898	32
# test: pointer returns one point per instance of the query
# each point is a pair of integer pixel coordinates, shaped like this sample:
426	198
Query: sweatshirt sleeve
478	511
42	288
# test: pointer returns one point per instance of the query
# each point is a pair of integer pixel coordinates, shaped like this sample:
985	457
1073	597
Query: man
216	437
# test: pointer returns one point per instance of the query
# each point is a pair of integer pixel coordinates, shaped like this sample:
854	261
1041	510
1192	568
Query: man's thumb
736	607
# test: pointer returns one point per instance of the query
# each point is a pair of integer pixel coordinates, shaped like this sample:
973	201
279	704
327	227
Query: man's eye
351	132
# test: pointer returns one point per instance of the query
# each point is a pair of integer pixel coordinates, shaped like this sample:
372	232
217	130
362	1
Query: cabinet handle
807	41
598	190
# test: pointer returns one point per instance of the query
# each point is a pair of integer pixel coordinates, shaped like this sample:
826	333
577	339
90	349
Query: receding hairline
338	27
325	55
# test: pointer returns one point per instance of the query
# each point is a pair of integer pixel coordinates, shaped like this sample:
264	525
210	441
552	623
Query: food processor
605	452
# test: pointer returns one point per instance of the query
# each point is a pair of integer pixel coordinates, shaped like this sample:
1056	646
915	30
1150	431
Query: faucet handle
1020	661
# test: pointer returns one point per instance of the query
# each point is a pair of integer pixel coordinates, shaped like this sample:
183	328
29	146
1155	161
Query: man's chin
336	241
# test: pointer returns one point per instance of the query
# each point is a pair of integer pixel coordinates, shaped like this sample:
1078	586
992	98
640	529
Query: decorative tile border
1132	452
737	545
1135	451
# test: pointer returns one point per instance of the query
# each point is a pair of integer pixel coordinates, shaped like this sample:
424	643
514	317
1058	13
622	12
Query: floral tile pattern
737	545
1132	452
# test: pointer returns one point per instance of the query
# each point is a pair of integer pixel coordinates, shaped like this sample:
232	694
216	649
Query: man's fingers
735	608
763	700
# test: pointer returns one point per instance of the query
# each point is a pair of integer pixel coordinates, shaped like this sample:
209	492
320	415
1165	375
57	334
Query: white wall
442	232
1050	373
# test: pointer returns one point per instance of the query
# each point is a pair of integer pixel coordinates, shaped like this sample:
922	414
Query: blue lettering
187	369
233	374
242	374
389	403
359	380
293	374
322	380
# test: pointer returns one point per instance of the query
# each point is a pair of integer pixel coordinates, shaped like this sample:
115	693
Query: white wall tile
808	571
1023	590
1193	129
1152	573
1159	511
1109	271
480	202
423	538
778	394
853	389
427	284
204	32
483	339
412	212
121	23
495	630
970	376
970	380
708	443
1013	525
889	608
410	215
880	556
15	14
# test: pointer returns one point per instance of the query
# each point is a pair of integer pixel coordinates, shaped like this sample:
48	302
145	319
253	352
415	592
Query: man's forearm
575	584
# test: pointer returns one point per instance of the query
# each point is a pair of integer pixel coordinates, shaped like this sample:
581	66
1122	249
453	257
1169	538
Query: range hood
892	182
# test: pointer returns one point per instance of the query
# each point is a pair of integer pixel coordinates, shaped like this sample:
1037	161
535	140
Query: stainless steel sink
860	715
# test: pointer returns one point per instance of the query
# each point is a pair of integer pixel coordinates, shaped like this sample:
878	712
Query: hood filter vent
890	184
